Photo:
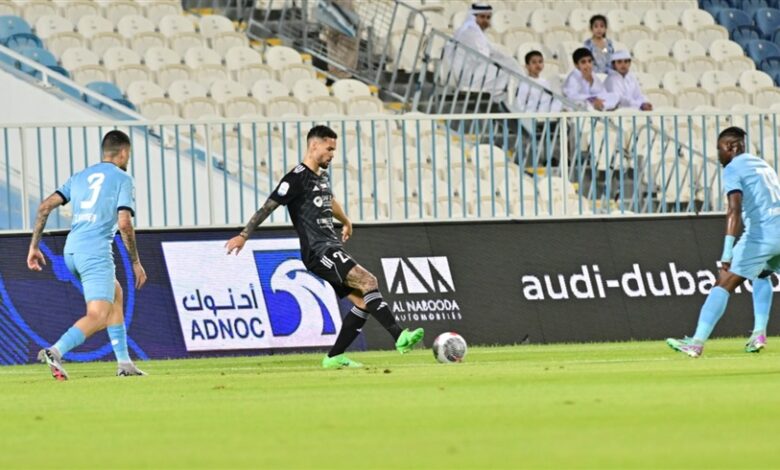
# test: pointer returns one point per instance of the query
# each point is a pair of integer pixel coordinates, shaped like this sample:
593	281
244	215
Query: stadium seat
78	57
565	7
90	73
751	7
129	74
742	34
251	73
362	105
7	7
132	25
182	42
714	80
295	72
527	47
223	42
767	20
283	105
172	25
767	98
195	57
41	56
437	21
159	108
278	57
656	19
669	35
647	49
91	25
16	33
118	9
693	19
49	25
211	25
199	108
306	89
59	43
346	89
579	19
323	106
142	91
706	35
142	42
646	80
157	57
713	7
107	89
689	98
158	10
698	65
633	34
619	20
118	56
731	19
208	74
675	82
73	11
223	90
564	50
265	90
543	20
659	66
727	97
242	106
182	90
101	42
34	9
722	49
753	80
517	35
168	74
505	20
687	49
240	57
759	50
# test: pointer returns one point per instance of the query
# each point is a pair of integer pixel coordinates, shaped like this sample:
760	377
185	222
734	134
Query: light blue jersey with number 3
760	189
97	194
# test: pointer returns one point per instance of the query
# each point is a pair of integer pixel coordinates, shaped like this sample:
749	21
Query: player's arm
127	231
733	225
35	258
341	216
237	243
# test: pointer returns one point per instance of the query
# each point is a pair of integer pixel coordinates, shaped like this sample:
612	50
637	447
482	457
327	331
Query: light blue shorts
96	273
752	256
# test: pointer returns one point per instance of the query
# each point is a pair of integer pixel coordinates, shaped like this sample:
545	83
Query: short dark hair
531	55
580	54
113	142
734	132
321	132
595	18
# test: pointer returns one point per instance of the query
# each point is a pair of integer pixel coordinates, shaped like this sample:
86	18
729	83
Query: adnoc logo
20	325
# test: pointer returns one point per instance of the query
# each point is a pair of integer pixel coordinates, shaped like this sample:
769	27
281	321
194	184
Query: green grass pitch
563	406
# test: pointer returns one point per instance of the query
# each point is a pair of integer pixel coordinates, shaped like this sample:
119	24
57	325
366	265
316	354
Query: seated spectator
598	44
530	98
622	82
583	87
467	68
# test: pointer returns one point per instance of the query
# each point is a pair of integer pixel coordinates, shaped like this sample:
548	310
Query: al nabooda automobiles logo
14	324
425	287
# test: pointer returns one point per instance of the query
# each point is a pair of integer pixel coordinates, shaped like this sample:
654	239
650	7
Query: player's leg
762	304
366	284
117	334
350	329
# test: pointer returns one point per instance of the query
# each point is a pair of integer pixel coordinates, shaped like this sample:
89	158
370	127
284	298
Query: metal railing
395	168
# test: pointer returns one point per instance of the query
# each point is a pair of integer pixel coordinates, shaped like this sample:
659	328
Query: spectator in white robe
621	81
535	99
584	87
469	70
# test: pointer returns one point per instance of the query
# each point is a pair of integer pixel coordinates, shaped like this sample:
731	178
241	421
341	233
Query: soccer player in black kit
306	192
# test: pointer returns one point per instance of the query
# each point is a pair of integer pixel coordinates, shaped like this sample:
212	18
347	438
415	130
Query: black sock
379	309
350	329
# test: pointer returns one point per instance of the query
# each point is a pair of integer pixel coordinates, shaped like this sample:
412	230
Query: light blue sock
762	302
70	340
118	336
711	312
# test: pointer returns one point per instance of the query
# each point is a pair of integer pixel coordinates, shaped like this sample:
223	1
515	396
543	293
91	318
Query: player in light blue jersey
751	186
102	198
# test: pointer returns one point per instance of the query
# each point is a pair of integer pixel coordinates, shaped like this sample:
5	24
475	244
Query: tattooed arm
35	259
128	237
237	243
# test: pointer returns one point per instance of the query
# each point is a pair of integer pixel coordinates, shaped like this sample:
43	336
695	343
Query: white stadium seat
754	80
172	25
659	66
250	74
49	25
199	108
727	97
689	98
142	42
767	98
506	20
560	34
142	91
132	25
90	73
158	10
656	19
619	20
291	74
196	57
168	74
240	107
686	49
116	57
78	57
348	88
101	42
279	57
59	43
543	20
74	11
91	25
518	35
633	34
306	89
182	42
692	19
579	19
182	90
736	63
211	25
157	57
32	10
116	10
669	35
208	74
240	57
362	105
265	90
283	105
698	65
647	49
723	48
706	35
223	42
128	74
318	106
714	80
223	90
159	108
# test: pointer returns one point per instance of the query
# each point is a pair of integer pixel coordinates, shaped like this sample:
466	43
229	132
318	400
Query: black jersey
309	200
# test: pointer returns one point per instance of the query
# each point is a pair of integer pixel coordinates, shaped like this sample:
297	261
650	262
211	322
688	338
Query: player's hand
646	107
725	266
35	259
346	232
598	104
140	275
236	243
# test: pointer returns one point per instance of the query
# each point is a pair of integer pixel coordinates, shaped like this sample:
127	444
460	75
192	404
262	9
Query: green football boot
408	339
340	362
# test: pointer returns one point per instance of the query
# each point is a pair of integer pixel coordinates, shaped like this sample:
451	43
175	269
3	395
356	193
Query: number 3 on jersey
770	179
95	181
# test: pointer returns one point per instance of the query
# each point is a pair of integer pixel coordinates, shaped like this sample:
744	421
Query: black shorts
333	266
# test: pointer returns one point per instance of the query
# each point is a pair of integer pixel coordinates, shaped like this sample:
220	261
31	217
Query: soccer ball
449	347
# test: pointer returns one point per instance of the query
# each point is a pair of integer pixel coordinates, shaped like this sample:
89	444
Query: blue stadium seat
767	21
42	56
714	6
742	34
759	49
769	64
731	19
776	36
749	6
107	89
15	32
65	87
